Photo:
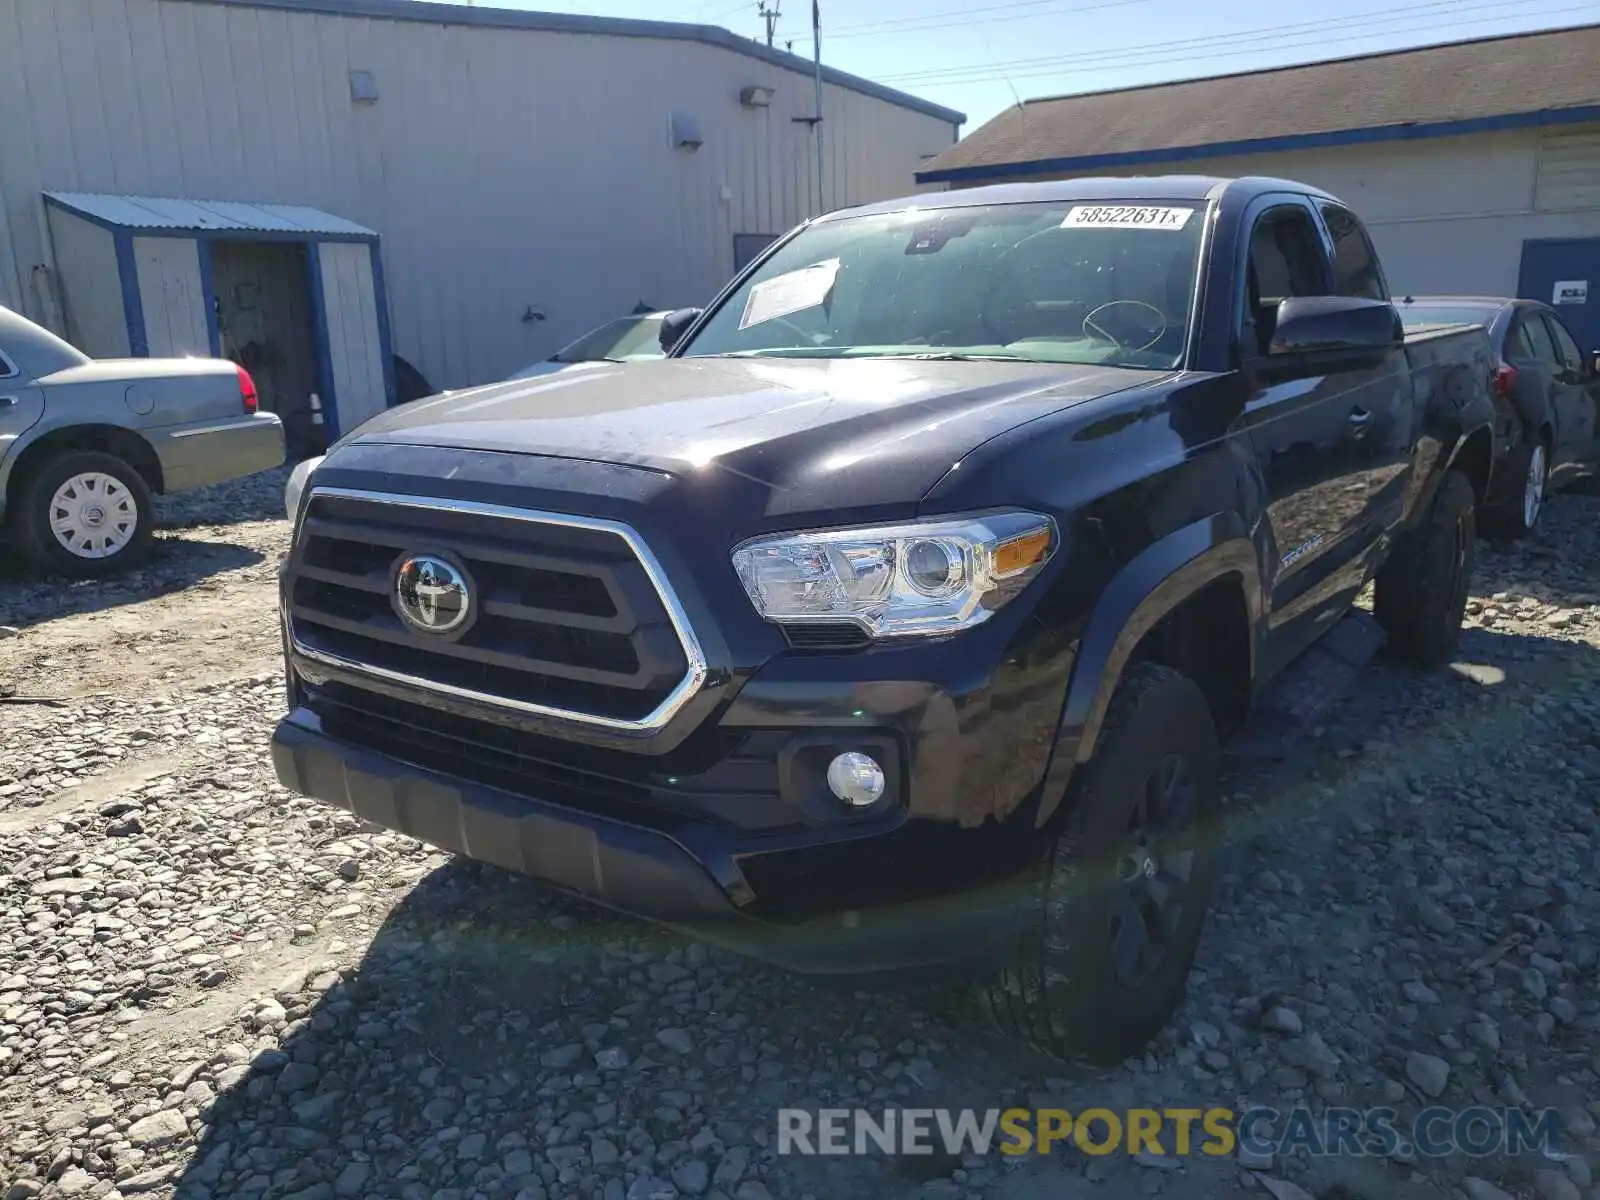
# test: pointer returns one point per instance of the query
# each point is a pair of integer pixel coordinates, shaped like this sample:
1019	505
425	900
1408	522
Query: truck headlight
924	577
296	487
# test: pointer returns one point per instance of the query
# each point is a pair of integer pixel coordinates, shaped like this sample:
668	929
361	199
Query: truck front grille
571	617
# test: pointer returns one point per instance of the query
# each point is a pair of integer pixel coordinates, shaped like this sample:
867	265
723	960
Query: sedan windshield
628	337
1059	283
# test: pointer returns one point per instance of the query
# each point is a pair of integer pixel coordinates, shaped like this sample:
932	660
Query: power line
1268	33
1422	11
1139	56
910	24
722	10
722	14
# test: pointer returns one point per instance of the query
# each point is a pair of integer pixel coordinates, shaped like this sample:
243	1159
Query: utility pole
770	16
816	50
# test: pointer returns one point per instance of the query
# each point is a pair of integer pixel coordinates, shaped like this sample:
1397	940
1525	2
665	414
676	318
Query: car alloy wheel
1152	873
1533	487
93	515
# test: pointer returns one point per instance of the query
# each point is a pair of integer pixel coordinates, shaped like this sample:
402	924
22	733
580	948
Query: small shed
294	294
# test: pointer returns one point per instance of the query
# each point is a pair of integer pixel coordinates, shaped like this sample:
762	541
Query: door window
1355	266
7	367
1285	260
1566	349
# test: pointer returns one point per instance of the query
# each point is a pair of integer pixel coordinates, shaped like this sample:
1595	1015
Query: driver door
1313	438
21	404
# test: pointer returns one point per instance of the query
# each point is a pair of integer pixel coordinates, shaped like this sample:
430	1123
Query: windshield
629	337
1059	282
1446	314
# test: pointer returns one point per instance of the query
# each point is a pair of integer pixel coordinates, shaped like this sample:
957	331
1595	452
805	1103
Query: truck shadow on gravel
497	1040
175	565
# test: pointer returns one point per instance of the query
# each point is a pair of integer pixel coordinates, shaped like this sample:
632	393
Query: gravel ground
211	987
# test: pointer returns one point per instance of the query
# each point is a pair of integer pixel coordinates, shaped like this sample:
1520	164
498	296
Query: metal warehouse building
1475	165
316	185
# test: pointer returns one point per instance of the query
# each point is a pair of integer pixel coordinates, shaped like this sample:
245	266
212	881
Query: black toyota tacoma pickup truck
895	618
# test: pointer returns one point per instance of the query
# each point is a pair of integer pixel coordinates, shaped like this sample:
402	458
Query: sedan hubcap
93	515
1533	489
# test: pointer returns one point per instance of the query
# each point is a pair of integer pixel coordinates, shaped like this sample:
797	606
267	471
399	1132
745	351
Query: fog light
856	778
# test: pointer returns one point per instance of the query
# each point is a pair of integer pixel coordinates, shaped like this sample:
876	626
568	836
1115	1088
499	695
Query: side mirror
674	325
1594	364
1341	327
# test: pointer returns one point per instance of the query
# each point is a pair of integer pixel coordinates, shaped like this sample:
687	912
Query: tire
103	484
1422	588
1062	991
1528	469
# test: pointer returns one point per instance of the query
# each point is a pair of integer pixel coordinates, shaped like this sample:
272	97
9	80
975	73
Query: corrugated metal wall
1449	215
504	168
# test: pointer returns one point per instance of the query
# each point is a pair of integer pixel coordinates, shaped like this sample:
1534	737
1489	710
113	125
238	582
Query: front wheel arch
1212	552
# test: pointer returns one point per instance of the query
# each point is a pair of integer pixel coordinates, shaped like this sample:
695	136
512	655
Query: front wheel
1421	591
1117	910
83	513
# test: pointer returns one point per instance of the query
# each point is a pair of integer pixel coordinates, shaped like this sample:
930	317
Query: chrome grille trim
694	677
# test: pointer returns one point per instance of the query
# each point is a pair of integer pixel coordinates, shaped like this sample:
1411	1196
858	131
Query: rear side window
1355	265
1566	348
1518	346
8	369
1544	350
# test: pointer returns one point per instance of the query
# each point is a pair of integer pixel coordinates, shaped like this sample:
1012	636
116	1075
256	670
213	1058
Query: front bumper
692	878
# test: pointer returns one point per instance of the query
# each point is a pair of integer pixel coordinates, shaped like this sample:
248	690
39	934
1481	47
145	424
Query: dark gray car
1548	390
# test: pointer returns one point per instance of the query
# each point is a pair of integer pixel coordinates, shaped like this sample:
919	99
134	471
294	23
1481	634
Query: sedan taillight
1504	379
247	391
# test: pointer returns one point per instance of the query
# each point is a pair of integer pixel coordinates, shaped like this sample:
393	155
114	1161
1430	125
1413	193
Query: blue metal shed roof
206	216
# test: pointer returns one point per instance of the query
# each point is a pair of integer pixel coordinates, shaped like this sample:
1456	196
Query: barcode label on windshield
1125	216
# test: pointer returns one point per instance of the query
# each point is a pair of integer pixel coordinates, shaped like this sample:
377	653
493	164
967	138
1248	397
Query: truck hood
780	422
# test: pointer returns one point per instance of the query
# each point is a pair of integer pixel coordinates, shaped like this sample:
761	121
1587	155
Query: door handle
7	401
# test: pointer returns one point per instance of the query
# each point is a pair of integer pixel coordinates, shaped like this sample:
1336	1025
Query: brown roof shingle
1462	81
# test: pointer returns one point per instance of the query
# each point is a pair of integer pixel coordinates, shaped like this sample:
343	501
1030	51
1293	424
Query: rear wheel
1527	471
1422	589
83	513
1117	910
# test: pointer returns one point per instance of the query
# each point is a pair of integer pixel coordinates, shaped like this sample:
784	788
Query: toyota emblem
432	595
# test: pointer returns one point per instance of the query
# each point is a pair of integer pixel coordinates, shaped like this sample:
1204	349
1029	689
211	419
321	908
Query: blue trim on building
380	299
132	305
1297	141
208	294
319	338
500	18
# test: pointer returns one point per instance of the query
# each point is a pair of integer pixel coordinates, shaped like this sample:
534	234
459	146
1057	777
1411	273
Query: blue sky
976	56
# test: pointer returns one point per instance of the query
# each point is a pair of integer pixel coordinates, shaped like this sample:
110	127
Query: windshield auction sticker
1125	216
789	293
